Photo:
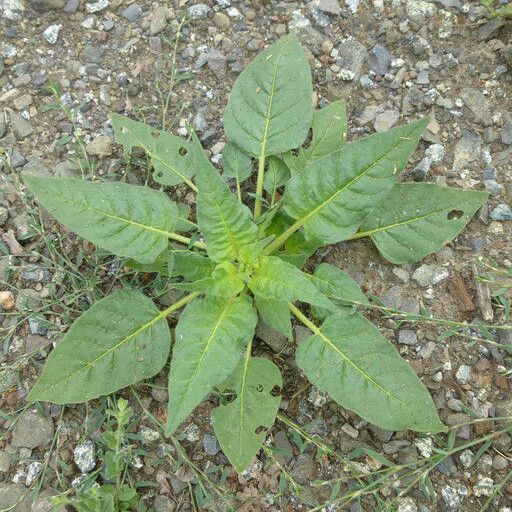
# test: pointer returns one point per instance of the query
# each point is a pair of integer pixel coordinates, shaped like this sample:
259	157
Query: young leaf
416	219
171	157
270	109
276	279
348	358
329	135
275	313
223	282
235	423
236	163
210	337
192	266
276	176
127	220
225	222
119	341
333	194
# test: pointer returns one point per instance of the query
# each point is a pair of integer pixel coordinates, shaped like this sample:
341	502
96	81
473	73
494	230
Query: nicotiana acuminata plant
235	265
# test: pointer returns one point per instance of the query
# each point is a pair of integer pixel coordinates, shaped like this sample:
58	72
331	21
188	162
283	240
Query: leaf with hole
416	219
334	194
241	425
210	337
118	341
329	134
270	106
171	157
127	220
349	359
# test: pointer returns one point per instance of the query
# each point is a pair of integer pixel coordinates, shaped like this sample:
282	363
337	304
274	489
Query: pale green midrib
316	330
333	295
167	234
157	318
242	396
205	350
388	227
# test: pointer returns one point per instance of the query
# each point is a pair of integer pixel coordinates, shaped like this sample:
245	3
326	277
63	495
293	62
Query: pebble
221	20
379	59
5	462
163	504
466	458
407	337
425	446
502	212
453	497
198	11
158	20
499	463
15	498
506	134
394	446
435	152
351	58
493	187
210	444
463	374
33	471
84	456
484	486
430	274
329	6
32	430
385	120
71	6
217	62
21	127
420	8
100	146
6	300
23	102
133	12
98	6
51	34
406	505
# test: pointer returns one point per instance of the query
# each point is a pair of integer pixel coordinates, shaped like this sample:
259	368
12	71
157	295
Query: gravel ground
392	60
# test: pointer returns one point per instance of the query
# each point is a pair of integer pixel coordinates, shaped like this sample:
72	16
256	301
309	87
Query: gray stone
51	34
85	456
329	6
379	59
453	497
210	444
200	123
429	275
435	152
351	57
394	298
273	338
43	503
5	462
490	29
92	7
164	504
217	63
499	463
420	8
133	12
406	505
301	25
21	127
282	443
502	212
407	337
484	486
198	11
394	446
422	168
506	133
504	408
493	187
35	167
463	374
158	20
93	53
14	498
467	150
32	430
100	146
71	6
385	120
479	104
47	5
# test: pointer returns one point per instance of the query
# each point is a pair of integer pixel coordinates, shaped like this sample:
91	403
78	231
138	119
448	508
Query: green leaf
338	286
159	265
119	341
225	222
171	157
192	266
210	337
276	176
329	135
235	423
276	279
223	282
126	220
236	163
182	223
276	314
270	108
333	194
349	359
416	219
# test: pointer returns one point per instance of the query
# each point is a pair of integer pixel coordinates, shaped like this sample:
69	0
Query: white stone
51	34
96	6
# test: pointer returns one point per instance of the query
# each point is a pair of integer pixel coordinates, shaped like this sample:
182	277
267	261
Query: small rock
425	446
198	11
210	444
158	20
429	275
502	212
453	497
85	456
163	504
407	337
435	152
21	127
351	57
463	374
6	300
15	498
217	63
100	146
51	34
504	408
92	53
23	102
33	471
484	486
379	60
394	446
282	442
96	6
499	463
422	168
406	505
386	120
221	20
490	29
5	462
273	338
329	6
32	430
420	8
72	6
506	133
43	503
493	187
466	458
46	5
133	12
479	104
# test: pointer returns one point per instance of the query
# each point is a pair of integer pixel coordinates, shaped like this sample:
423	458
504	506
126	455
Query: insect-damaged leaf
270	108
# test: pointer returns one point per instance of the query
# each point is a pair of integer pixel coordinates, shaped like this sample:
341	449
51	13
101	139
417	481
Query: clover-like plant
234	266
